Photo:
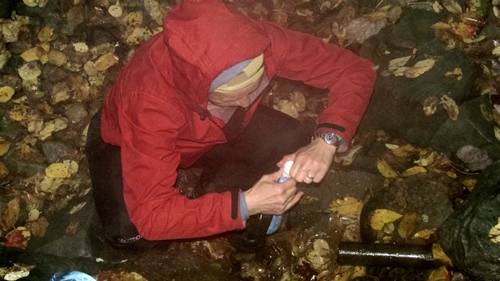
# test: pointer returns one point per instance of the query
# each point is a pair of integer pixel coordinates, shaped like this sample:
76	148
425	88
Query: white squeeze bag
276	220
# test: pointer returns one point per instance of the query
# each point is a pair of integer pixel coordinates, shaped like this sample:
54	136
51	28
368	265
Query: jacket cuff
243	207
338	130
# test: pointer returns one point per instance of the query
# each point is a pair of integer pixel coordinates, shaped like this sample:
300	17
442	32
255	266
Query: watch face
330	138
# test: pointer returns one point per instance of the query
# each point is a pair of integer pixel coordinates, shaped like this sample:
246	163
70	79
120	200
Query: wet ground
44	123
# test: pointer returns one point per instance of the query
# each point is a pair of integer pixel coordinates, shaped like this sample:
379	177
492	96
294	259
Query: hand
269	197
311	162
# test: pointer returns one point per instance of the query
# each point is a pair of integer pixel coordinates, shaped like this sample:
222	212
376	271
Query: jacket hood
204	38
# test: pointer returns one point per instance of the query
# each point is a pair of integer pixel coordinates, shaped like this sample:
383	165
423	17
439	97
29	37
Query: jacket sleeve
150	162
349	78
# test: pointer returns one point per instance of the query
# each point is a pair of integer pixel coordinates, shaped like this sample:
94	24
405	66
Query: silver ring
311	177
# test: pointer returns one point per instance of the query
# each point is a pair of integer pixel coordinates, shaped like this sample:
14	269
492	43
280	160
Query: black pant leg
242	162
107	189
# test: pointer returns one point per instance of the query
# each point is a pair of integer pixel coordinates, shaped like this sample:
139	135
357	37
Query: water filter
276	220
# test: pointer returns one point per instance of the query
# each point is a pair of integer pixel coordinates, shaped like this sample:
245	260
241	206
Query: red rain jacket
156	111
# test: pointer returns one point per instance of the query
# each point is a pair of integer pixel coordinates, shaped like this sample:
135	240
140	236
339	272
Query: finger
286	158
294	201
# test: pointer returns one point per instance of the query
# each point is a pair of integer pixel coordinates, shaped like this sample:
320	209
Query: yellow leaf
33	54
45	34
405	150
391	146
451	107
469	183
396	64
439	274
6	93
426	160
424	234
386	170
349	158
4	146
494	234
438	254
441	25
133	19
346	206
58	171
10	214
105	61
407	225
4	171
380	217
413	171
419	68
430	105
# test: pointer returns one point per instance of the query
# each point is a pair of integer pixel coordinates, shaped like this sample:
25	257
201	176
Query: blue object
276	220
72	276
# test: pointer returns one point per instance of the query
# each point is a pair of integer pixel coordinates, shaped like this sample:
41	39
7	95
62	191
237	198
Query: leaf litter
352	25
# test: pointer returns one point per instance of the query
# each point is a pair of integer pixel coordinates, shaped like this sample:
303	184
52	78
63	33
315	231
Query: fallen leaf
77	208
17	271
4	146
452	6
119	276
450	106
439	274
38	228
288	108
18	238
133	19
494	234
346	206
349	157
430	105
457	72
10	214
363	28
386	170
424	234
407	225
427	159
4	171
58	171
115	10
419	68
413	171
73	228
405	150
105	61
439	254
441	26
33	215
496	51
45	34
298	100
6	93
396	64
81	47
380	217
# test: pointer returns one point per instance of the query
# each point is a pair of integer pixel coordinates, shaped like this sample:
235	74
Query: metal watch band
330	138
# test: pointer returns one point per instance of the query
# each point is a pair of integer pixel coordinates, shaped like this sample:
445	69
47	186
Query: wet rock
464	234
70	234
471	128
339	184
24	165
76	112
411	195
53	73
10	130
397	105
54	150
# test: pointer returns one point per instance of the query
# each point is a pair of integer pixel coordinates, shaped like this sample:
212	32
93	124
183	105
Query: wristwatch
330	138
